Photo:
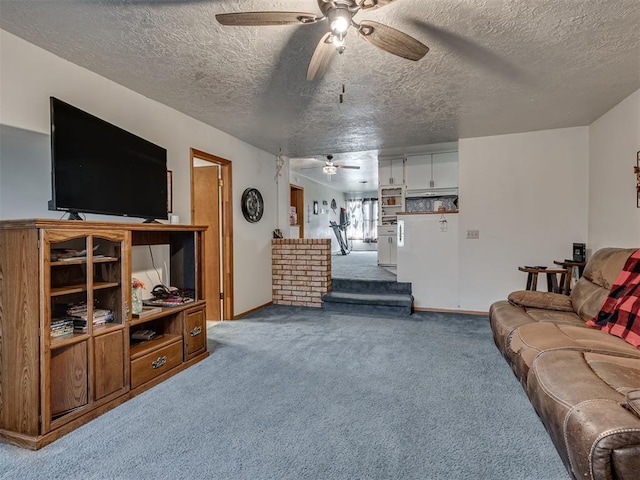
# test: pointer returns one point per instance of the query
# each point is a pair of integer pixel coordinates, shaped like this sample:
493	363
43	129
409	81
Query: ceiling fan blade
372	4
258	19
352	167
391	40
321	58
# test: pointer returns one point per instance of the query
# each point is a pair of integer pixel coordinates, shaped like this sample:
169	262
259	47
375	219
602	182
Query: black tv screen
100	168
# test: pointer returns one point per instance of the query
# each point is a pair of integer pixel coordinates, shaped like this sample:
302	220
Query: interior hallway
359	265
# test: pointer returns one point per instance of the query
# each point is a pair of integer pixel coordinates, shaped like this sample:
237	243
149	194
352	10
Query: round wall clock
252	205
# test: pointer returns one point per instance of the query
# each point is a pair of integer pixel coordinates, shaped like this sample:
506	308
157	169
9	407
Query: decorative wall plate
252	205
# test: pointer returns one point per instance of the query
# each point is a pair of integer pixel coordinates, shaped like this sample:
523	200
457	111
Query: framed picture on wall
315	207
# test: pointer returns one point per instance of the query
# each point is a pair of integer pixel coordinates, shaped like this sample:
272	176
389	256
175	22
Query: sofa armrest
603	441
544	300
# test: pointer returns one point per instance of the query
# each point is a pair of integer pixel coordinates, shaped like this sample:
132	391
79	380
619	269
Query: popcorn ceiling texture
495	66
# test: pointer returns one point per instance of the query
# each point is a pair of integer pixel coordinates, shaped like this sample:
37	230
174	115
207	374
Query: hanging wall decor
252	205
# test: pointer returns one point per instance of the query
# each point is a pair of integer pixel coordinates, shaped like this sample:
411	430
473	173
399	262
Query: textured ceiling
495	66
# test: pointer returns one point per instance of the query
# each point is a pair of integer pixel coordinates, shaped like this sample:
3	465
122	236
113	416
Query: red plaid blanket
620	313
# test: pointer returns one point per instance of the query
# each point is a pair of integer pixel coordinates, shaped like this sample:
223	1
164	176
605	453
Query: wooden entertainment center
53	380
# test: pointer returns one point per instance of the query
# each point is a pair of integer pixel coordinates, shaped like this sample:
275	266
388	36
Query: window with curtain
363	214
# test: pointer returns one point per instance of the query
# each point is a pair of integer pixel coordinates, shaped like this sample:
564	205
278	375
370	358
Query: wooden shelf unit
390	203
53	385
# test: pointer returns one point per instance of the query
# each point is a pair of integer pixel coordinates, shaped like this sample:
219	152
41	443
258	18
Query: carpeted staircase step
372	303
377	297
370	286
392	299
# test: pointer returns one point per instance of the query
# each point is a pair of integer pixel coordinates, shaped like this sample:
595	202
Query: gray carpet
295	393
360	266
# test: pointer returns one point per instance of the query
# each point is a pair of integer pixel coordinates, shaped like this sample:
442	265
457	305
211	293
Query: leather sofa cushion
580	397
546	300
559	317
601	271
505	318
528	341
587	298
605	265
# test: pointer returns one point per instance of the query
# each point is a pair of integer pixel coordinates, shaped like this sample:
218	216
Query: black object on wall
98	167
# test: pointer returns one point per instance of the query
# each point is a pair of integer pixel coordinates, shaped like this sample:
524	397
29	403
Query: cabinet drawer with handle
155	363
195	332
387	230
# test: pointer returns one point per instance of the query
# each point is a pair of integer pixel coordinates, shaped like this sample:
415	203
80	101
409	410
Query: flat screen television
100	168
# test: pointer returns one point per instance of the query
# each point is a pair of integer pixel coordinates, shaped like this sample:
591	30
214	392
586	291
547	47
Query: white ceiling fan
331	168
340	15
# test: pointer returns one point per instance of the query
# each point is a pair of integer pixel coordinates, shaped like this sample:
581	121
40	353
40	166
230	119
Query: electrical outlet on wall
473	234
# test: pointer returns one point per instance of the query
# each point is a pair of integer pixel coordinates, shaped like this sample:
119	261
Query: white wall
614	140
527	194
317	226
29	75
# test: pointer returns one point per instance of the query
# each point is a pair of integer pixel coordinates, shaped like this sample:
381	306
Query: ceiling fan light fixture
338	41
330	169
339	20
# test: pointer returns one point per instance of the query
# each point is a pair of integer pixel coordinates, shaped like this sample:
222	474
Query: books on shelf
79	314
80	325
61	327
147	310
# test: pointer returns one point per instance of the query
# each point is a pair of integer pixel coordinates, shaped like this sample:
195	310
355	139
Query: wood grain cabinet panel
109	363
19	324
69	378
195	332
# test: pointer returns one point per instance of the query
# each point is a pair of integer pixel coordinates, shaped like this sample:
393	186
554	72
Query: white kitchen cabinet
391	171
445	170
418	168
432	171
387	245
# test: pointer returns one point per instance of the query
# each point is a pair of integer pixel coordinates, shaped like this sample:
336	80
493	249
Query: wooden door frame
226	222
300	195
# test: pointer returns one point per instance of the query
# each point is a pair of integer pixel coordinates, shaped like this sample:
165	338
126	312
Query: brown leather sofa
583	383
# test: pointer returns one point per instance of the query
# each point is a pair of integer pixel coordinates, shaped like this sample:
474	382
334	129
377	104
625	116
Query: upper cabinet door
445	170
391	171
432	171
418	171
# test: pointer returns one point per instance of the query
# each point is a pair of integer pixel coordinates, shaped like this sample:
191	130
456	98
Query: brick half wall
301	270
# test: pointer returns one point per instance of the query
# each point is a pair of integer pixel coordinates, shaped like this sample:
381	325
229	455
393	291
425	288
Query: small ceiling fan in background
339	14
331	168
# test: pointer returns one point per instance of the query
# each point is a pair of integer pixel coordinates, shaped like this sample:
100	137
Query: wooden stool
565	279
552	277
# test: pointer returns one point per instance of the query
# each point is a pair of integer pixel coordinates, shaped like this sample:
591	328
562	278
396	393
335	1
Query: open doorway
211	198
